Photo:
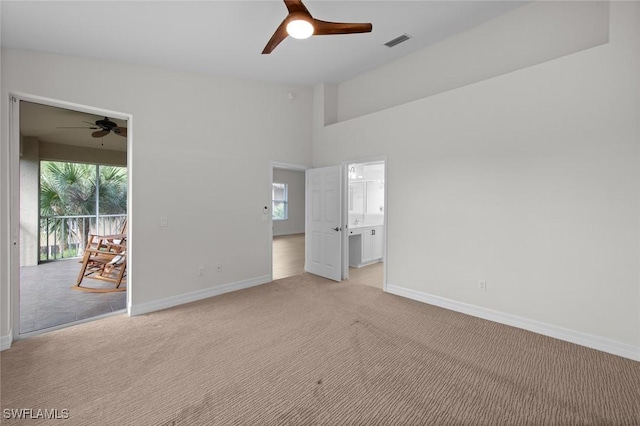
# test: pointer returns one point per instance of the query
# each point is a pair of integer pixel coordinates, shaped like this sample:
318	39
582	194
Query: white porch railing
64	237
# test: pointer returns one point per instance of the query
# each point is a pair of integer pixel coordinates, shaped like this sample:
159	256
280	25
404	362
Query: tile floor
47	300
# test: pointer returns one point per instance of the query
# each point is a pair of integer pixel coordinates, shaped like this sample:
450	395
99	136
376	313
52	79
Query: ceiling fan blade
296	6
329	28
120	131
92	128
276	38
100	134
92	124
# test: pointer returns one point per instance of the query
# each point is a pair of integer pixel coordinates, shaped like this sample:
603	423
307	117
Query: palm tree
113	190
69	189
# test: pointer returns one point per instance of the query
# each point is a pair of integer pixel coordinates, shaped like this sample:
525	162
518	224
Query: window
279	205
78	199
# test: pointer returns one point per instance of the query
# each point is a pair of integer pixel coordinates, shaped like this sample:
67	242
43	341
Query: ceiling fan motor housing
106	124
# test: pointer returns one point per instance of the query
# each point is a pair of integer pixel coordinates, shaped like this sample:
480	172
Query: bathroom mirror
356	198
375	197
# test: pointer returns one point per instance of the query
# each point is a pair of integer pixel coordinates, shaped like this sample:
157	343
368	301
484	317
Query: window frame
284	201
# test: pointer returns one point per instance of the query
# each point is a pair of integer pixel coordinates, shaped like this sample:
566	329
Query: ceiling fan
300	24
104	127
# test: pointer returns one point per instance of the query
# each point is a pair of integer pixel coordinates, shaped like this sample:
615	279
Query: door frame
14	201
345	214
283	166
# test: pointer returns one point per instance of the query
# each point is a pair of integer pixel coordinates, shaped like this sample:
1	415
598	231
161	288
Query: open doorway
73	183
288	220
366	222
346	222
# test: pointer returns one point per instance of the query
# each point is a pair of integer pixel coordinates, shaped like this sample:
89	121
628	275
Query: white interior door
324	222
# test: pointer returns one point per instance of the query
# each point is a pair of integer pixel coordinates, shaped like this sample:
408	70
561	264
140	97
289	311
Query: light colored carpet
304	350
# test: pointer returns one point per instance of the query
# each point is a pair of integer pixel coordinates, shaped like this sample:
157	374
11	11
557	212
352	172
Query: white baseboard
362	265
193	296
5	341
561	333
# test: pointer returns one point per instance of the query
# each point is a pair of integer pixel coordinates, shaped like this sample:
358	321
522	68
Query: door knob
336	229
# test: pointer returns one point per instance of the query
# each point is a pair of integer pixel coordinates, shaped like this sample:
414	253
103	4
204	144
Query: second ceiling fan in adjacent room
103	127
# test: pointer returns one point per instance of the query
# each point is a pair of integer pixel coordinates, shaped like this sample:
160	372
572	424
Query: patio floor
47	300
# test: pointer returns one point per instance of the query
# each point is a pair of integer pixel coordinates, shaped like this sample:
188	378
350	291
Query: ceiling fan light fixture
300	29
300	24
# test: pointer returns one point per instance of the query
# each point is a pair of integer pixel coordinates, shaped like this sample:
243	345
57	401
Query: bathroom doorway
366	224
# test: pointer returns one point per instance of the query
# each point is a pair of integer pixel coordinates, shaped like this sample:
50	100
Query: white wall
529	180
190	133
295	222
529	35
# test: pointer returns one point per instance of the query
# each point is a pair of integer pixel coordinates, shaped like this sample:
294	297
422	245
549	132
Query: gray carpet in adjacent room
304	350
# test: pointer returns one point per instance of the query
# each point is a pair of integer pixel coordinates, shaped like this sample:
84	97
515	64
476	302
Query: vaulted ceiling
227	37
222	38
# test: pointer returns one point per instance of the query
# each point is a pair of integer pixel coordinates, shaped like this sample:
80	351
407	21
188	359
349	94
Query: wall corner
6	341
325	105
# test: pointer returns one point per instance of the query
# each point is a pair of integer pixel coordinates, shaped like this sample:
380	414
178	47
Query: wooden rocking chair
107	262
102	242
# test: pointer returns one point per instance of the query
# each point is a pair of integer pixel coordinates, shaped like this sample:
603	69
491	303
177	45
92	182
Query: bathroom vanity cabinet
366	245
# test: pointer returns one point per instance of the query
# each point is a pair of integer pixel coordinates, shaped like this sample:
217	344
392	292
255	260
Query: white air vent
396	41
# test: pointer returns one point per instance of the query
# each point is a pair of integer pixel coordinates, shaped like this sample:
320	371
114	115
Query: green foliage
113	190
279	211
68	189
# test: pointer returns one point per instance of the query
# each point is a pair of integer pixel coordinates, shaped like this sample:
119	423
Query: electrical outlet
201	271
218	268
482	285
164	221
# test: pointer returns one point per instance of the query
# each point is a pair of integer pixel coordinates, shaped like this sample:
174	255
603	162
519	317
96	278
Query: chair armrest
109	237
